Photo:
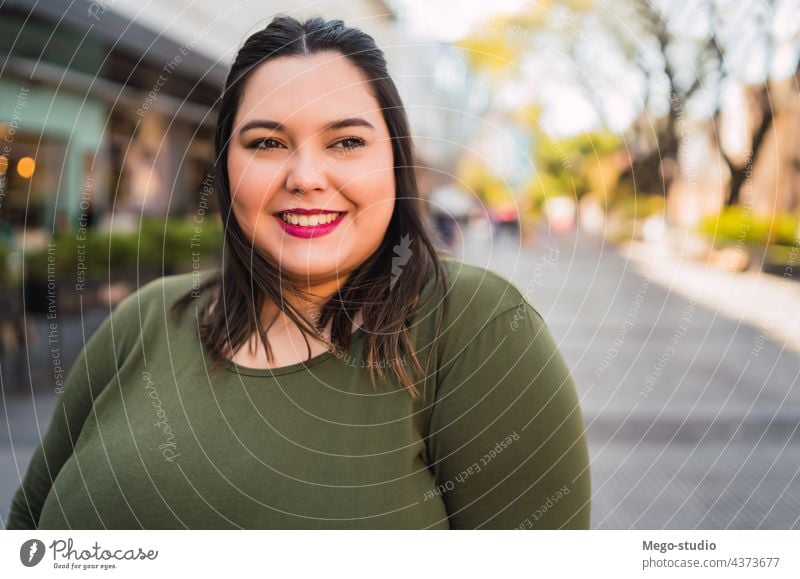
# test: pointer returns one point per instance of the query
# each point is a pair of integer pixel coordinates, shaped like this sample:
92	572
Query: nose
306	171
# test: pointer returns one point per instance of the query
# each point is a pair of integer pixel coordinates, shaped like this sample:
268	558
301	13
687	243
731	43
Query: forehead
301	91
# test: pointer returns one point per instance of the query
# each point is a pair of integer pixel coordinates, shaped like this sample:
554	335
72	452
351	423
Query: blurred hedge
3	263
158	247
739	223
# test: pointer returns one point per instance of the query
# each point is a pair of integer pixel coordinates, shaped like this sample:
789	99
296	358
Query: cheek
251	186
372	192
374	198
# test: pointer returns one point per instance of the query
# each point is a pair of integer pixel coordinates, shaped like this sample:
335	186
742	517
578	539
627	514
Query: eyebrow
276	126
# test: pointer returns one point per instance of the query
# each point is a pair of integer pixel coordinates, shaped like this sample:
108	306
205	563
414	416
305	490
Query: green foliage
3	263
546	185
487	185
739	223
785	256
157	246
573	166
633	207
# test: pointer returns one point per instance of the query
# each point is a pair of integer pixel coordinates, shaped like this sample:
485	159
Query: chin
302	270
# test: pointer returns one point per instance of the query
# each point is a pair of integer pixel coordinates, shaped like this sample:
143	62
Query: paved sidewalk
692	412
767	301
25	411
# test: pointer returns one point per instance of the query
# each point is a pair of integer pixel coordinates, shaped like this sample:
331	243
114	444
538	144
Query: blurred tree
489	187
763	45
574	166
644	67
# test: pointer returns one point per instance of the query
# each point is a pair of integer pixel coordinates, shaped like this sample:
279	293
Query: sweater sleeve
506	434
94	367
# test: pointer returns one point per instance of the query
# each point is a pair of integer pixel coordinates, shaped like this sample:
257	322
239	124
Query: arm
93	369
506	434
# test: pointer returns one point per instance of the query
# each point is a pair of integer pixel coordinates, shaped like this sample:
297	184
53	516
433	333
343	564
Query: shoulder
144	313
475	295
475	311
155	297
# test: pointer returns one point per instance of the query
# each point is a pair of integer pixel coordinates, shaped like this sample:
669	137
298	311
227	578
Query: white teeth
308	220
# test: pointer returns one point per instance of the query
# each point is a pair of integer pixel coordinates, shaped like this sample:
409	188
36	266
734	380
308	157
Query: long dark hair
387	287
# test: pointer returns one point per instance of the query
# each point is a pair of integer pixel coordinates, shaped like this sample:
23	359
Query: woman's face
309	145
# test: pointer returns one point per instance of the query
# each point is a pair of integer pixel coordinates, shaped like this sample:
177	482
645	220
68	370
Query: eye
262	144
349	143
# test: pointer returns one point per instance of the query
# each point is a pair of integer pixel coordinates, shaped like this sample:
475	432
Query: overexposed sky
565	110
451	20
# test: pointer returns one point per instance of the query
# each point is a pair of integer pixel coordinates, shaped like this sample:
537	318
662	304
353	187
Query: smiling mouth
309	217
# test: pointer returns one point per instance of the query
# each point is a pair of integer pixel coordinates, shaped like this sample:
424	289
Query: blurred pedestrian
450	208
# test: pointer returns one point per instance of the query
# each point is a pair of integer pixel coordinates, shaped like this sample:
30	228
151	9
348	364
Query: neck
310	308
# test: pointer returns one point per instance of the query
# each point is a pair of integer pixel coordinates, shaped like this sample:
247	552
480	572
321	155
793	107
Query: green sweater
143	437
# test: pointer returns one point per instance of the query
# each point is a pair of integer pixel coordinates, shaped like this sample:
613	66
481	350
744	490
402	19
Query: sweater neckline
232	366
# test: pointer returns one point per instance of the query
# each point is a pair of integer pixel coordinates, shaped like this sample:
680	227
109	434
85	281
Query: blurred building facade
114	115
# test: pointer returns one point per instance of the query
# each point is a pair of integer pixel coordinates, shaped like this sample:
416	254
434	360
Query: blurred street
692	416
693	419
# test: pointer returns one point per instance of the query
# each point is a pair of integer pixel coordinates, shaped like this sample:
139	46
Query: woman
335	372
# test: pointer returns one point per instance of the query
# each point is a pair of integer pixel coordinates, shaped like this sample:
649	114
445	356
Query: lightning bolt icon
34	548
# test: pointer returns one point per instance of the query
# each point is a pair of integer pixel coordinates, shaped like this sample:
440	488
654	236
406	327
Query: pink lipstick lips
308	223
